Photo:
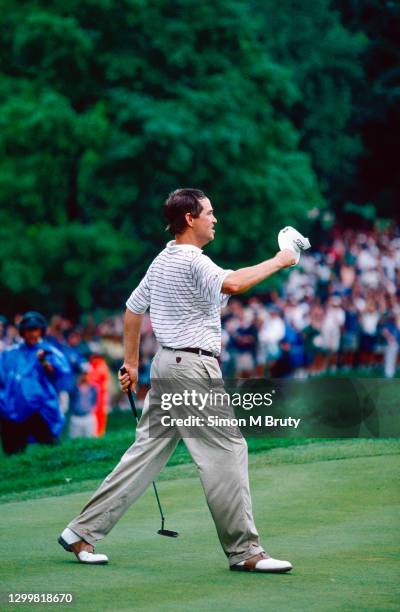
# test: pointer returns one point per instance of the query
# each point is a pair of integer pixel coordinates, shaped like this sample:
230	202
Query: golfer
185	291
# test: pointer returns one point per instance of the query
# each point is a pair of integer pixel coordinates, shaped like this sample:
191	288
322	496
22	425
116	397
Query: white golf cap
290	238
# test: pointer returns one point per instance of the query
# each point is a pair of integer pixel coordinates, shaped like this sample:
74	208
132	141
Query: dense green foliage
105	107
376	113
309	39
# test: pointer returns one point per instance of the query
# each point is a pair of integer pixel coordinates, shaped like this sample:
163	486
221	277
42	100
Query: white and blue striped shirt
182	288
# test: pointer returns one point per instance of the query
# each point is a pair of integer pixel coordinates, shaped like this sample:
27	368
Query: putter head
168	533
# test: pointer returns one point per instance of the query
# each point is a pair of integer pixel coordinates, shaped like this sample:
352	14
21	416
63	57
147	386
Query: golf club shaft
135	414
133	406
159	505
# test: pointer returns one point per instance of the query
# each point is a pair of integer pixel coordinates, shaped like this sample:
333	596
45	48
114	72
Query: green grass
65	466
332	508
60	470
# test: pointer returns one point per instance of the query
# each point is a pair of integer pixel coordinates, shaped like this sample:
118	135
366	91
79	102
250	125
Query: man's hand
285	258
129	379
41	355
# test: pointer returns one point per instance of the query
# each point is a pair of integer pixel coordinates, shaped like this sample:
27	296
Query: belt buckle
200	352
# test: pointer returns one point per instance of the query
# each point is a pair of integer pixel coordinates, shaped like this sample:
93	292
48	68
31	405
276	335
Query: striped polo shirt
182	288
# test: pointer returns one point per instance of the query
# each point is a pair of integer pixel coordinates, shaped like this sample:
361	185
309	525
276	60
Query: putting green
334	513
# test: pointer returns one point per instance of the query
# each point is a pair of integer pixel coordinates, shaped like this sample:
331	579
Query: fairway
331	508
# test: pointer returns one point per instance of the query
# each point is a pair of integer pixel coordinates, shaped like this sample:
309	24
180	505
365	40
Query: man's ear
189	219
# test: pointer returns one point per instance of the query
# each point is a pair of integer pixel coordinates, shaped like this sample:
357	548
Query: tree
324	59
377	110
105	107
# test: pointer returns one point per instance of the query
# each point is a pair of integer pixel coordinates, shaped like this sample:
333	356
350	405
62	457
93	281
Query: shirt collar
173	247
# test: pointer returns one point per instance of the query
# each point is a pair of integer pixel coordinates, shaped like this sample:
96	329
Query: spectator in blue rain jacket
31	376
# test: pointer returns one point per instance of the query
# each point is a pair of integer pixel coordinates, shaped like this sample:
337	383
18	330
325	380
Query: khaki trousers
221	463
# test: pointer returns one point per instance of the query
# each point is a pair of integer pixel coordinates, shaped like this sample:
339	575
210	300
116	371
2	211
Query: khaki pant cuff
234	559
83	534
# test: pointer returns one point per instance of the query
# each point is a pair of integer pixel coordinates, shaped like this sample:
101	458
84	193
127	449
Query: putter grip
123	370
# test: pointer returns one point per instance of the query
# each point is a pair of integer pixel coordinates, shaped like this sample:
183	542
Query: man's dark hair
180	202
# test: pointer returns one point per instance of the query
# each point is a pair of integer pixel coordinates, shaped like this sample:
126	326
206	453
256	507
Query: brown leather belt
197	351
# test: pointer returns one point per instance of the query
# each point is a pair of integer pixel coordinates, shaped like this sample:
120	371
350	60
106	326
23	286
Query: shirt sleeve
139	300
208	279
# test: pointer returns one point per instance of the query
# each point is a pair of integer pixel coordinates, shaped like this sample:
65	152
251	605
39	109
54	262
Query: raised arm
132	327
245	278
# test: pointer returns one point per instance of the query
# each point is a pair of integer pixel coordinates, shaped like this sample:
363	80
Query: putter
164	532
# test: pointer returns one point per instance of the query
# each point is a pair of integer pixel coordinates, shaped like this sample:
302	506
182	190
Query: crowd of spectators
88	350
338	312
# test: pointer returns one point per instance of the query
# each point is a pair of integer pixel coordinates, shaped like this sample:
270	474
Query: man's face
203	226
32	336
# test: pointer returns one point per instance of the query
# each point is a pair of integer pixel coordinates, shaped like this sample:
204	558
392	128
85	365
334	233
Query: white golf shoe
83	551
290	238
262	563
